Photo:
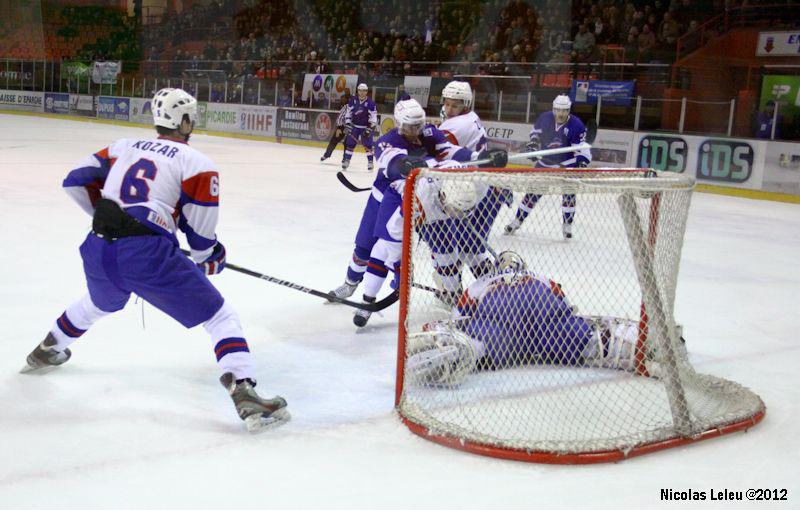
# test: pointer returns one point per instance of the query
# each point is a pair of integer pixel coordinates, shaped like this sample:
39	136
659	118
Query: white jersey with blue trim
465	130
553	136
163	183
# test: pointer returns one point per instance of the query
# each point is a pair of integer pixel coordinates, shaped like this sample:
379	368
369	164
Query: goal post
538	347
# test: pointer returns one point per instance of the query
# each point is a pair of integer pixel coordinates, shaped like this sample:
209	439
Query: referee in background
338	133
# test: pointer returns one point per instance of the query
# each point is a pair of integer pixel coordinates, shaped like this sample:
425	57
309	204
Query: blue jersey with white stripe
360	113
552	136
431	144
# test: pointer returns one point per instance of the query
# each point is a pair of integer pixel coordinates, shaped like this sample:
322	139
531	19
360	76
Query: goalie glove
215	262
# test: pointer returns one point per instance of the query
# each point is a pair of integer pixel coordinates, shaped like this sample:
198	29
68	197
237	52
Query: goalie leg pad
441	356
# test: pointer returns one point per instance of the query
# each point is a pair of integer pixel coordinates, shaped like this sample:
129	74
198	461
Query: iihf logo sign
317	83
322	126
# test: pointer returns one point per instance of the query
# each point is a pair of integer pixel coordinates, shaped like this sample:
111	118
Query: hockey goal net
555	350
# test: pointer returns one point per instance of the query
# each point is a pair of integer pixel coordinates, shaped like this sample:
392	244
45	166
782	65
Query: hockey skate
45	356
324	157
362	316
512	227
345	164
566	229
344	290
258	413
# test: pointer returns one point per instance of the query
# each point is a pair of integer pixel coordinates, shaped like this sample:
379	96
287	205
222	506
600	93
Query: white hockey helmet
461	197
409	117
459	90
562	102
170	105
561	106
362	86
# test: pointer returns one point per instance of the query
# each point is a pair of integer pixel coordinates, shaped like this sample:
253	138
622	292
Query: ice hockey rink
137	419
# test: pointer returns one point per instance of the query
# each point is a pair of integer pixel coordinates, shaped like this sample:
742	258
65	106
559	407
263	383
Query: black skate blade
259	423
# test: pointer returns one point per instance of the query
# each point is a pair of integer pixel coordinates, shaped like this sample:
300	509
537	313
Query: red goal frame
544	457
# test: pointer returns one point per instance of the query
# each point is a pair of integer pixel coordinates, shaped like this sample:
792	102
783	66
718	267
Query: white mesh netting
539	343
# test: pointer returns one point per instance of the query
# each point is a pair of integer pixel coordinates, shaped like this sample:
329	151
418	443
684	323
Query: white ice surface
137	418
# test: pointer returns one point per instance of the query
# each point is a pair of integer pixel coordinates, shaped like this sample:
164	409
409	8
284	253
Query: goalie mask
561	106
409	117
510	264
171	105
456	99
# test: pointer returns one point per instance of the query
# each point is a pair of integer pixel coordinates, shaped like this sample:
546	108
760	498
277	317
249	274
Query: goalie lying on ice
513	317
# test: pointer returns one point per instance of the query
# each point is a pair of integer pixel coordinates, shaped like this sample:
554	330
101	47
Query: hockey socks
73	323
230	347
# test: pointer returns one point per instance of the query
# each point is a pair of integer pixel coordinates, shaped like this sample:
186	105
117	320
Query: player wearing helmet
554	129
361	121
411	144
513	317
139	192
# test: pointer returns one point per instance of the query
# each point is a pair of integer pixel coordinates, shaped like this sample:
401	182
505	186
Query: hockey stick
349	185
370	307
511	157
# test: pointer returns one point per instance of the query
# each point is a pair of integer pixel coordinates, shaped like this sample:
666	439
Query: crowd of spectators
392	33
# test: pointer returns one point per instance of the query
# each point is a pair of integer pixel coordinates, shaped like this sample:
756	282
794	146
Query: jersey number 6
135	188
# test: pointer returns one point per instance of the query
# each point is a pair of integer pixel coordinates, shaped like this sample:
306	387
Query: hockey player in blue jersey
138	193
554	129
513	317
410	145
361	121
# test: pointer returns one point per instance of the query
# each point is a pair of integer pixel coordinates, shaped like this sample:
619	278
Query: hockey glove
215	262
368	132
409	163
347	129
583	164
532	146
498	158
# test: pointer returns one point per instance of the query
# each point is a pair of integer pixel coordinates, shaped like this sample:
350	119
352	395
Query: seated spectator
647	41
691	40
584	44
669	31
631	46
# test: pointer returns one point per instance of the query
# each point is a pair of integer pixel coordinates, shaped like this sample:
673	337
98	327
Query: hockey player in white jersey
459	236
460	123
410	145
139	192
555	129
